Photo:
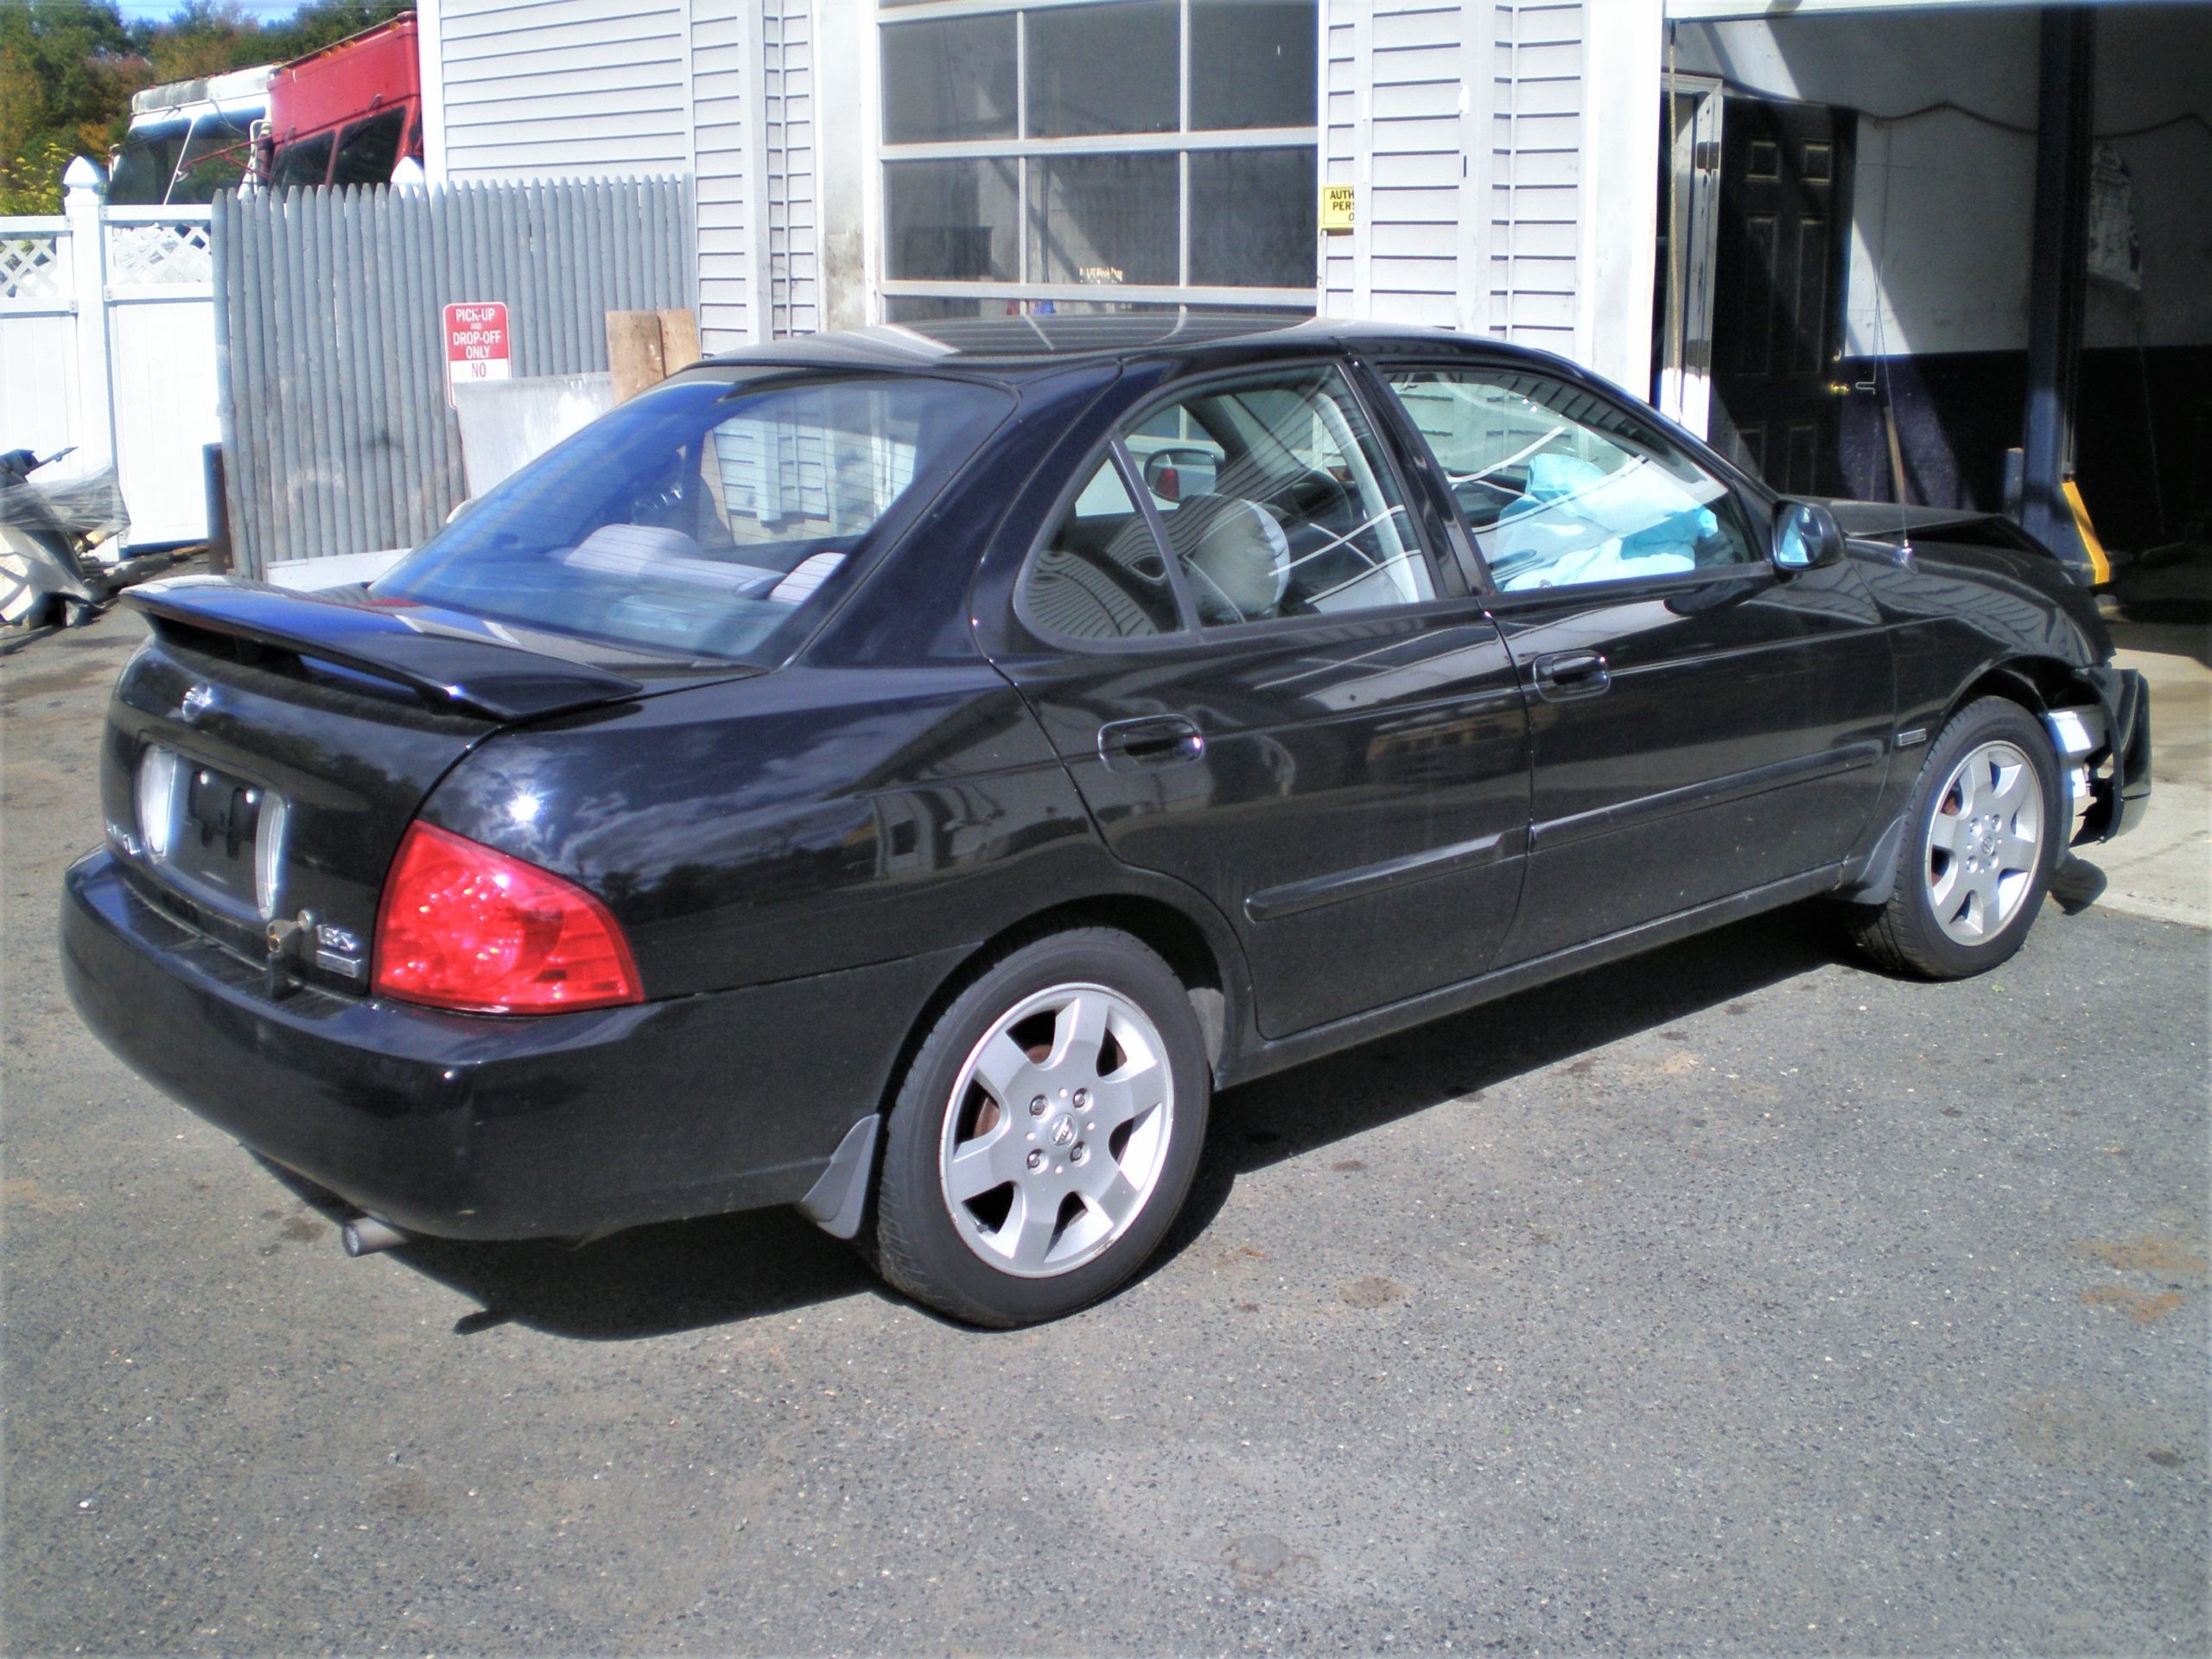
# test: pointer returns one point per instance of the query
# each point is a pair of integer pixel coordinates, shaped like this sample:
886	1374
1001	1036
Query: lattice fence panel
160	255
34	266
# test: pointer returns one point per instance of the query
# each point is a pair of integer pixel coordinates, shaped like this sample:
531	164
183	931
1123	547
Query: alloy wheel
1057	1130
1985	843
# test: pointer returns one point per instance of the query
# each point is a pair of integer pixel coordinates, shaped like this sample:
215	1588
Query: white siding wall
721	90
1536	164
723	94
788	164
1461	123
1394	116
562	88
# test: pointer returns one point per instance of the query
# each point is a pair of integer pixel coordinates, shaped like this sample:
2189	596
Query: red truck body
349	113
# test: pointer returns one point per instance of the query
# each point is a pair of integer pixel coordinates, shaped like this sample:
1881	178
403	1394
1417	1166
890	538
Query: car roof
1018	346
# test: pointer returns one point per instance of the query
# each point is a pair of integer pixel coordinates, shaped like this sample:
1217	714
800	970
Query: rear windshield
715	517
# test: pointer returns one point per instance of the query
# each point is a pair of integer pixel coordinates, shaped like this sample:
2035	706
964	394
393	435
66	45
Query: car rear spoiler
444	663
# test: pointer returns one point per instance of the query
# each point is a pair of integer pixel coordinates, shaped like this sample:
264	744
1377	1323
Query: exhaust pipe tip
366	1236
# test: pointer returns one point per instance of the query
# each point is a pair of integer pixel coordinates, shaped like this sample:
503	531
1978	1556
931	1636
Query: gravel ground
1733	1298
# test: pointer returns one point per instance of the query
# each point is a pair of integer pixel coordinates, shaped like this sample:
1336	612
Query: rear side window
1099	576
1277	501
713	517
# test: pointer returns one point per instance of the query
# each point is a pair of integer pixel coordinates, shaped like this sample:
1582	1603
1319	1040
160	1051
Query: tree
68	69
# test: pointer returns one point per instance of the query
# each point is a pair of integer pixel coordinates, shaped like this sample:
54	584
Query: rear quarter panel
796	823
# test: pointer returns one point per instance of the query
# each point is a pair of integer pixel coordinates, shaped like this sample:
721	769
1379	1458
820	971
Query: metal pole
2059	278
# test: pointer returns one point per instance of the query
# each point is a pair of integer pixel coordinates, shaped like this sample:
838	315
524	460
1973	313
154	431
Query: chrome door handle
1571	674
1150	741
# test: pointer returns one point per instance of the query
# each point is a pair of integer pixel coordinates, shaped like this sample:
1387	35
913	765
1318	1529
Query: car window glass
1099	575
307	161
705	518
370	149
1562	487
146	164
1277	501
216	157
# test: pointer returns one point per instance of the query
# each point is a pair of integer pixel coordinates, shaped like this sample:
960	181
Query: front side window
1562	487
709	518
1277	501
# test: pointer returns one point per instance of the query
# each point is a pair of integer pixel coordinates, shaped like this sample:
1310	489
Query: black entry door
1785	205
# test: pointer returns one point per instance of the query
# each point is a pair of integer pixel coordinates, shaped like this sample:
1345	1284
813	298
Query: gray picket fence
337	435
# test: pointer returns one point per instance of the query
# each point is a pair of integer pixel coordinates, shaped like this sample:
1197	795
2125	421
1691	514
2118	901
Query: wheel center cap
1064	1130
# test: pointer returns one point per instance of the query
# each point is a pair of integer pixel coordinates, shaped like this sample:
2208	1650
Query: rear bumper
475	1127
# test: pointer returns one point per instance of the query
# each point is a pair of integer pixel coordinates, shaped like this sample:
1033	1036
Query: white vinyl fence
107	342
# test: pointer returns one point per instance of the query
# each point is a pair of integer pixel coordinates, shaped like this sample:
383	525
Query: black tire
1906	935
945	1252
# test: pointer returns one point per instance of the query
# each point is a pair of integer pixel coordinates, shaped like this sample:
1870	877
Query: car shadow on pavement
651	1280
681	1275
1297	1111
644	1281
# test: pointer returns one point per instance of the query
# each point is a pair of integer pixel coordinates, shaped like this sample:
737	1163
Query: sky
267	11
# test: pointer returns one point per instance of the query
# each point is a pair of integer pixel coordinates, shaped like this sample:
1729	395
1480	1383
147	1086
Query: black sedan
903	774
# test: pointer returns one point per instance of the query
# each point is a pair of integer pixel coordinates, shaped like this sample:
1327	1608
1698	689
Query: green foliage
68	68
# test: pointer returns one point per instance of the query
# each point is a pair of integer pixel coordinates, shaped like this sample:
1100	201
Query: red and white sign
477	344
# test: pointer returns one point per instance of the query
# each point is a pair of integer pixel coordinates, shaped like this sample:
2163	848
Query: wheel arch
2038	684
1206	959
1194	941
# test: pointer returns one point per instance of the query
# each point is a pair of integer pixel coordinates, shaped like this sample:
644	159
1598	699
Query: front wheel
1984	831
1046	1134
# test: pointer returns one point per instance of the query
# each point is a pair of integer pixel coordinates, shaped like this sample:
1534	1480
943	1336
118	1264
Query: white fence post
86	187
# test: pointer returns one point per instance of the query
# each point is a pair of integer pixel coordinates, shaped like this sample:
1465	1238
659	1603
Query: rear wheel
1043	1137
1983	833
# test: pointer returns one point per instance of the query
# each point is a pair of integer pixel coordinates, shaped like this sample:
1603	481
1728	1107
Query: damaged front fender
2119	794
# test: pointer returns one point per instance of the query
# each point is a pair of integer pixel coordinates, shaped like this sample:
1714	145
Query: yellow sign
1337	204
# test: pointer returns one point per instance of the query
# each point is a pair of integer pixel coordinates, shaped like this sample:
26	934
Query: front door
1702	725
1249	663
1777	342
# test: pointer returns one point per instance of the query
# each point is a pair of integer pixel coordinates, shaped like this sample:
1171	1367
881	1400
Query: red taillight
463	926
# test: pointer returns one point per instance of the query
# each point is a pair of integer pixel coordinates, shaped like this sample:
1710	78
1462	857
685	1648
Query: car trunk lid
267	750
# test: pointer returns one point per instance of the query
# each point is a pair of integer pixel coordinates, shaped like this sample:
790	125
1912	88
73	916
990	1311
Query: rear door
1701	725
1237	638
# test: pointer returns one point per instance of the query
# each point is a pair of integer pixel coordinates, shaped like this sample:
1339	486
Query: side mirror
1806	537
1180	470
1160	476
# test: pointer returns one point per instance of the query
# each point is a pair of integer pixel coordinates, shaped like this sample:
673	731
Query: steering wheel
1316	497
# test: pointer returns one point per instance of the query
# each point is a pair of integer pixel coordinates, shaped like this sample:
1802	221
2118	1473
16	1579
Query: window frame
1026	289
1753	503
1391	464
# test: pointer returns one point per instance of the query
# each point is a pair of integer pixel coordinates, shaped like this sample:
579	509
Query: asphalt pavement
1734	1298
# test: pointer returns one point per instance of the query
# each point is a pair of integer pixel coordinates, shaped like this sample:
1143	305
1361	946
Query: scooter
50	540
